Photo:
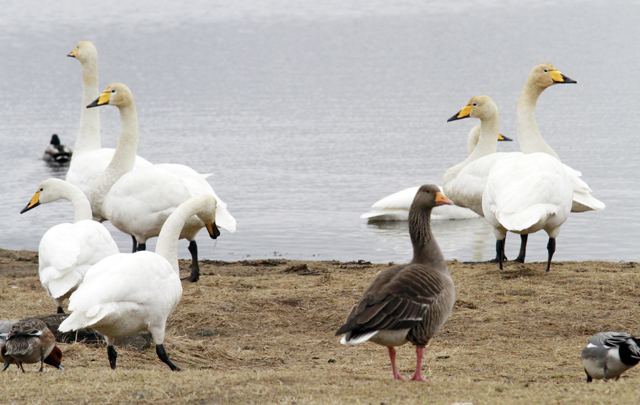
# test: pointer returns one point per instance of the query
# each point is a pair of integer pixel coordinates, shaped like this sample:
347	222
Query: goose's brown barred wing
398	298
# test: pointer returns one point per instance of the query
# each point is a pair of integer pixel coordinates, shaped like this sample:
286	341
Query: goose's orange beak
442	200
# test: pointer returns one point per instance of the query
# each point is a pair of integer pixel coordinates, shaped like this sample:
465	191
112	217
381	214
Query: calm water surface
309	112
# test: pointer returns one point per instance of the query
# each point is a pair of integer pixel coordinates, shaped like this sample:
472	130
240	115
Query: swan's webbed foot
162	354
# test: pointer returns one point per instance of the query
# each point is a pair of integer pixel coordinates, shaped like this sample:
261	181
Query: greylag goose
609	354
31	341
407	302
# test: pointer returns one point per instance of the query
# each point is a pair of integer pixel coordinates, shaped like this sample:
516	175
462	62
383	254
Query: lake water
309	112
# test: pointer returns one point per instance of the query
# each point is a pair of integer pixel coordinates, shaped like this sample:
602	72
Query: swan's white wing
524	192
140	285
394	207
87	166
582	198
466	188
140	201
68	250
196	184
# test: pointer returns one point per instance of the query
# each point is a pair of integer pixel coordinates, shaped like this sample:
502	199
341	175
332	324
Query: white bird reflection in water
465	240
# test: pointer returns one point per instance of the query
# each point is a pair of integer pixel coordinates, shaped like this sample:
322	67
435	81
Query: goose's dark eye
113	91
475	104
546	71
42	189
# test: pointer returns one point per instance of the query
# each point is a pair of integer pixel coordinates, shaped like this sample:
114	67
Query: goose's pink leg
392	356
418	375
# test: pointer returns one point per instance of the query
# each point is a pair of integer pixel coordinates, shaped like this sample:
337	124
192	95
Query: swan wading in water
138	202
395	207
90	158
524	194
124	294
67	251
407	302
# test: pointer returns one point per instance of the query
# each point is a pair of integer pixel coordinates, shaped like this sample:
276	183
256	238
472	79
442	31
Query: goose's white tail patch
346	339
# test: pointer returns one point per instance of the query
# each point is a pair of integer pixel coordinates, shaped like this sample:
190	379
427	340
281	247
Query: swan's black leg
60	310
589	379
195	269
500	251
113	355
523	248
162	354
135	244
142	246
551	248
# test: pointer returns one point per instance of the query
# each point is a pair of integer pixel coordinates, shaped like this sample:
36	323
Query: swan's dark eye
113	91
41	189
475	104
546	71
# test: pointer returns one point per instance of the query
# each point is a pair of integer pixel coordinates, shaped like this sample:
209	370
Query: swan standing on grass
407	302
138	202
31	341
127	293
67	251
89	158
395	207
524	194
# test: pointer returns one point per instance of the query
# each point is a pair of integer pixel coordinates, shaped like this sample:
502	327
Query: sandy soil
263	332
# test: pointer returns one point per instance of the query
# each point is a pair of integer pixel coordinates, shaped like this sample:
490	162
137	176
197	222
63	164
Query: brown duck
407	302
30	341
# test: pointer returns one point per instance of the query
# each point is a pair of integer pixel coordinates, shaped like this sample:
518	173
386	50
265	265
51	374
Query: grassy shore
263	332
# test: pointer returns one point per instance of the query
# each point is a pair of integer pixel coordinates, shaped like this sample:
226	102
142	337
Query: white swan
128	293
526	193
464	183
395	207
138	202
89	158
67	251
541	77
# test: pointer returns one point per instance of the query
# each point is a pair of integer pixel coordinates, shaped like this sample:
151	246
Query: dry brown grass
263	332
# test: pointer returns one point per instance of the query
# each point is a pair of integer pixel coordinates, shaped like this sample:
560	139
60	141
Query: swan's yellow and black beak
558	77
73	53
102	100
504	138
35	201
442	200
464	113
213	230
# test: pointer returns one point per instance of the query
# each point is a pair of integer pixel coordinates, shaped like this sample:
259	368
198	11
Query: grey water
309	112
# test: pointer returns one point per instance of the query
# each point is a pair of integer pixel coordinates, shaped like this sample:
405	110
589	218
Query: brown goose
30	341
407	302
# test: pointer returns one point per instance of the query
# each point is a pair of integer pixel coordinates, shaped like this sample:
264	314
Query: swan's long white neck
487	144
89	133
124	157
528	133
81	206
167	245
